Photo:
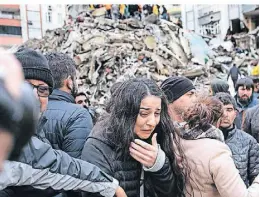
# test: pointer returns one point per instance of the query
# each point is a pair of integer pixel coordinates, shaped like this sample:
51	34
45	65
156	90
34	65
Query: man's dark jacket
68	124
245	152
251	124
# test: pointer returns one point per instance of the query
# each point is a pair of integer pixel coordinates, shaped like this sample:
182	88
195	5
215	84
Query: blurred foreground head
18	108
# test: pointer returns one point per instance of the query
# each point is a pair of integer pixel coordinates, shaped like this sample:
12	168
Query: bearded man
245	99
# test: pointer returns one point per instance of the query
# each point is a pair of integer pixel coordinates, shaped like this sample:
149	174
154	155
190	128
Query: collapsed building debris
107	51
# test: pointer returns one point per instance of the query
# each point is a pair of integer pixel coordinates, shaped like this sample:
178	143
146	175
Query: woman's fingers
144	152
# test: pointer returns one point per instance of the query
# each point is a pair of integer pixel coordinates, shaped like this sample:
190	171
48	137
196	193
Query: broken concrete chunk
99	12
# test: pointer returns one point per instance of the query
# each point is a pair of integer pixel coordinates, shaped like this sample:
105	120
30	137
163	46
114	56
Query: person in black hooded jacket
218	85
134	142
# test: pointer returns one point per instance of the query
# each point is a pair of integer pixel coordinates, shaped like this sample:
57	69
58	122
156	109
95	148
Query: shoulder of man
244	136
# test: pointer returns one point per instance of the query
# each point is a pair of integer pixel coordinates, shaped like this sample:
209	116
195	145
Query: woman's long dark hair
119	125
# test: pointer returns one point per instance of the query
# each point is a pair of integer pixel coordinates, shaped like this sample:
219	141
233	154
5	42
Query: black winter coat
251	124
68	124
245	152
100	152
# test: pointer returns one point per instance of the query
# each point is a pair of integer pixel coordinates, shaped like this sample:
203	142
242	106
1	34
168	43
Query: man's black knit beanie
175	87
35	65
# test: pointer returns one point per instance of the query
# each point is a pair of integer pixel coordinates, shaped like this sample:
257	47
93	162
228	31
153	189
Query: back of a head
62	66
226	99
218	85
175	87
206	111
246	81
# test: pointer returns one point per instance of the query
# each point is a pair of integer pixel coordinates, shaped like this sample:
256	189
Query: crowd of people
138	11
151	141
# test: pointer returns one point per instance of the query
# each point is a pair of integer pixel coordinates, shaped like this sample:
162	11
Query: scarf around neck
197	132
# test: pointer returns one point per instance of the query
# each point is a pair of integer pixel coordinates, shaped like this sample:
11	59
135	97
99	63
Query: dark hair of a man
226	99
81	94
61	66
118	127
206	111
247	82
218	85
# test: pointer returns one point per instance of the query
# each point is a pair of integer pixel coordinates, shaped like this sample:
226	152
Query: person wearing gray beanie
37	73
180	93
35	65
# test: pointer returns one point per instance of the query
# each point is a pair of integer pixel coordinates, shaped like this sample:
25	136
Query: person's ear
69	83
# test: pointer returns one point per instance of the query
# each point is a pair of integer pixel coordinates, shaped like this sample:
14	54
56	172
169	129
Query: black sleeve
162	181
247	122
253	164
94	153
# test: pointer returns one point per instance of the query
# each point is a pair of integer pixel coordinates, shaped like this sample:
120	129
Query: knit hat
175	87
35	65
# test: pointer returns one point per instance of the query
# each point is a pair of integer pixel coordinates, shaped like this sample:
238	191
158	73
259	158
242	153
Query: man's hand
143	152
120	192
11	73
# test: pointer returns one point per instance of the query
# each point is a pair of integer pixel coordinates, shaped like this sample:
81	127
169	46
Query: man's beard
74	90
179	110
245	102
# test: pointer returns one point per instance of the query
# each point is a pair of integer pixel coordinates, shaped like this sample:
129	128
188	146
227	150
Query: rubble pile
107	51
225	55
